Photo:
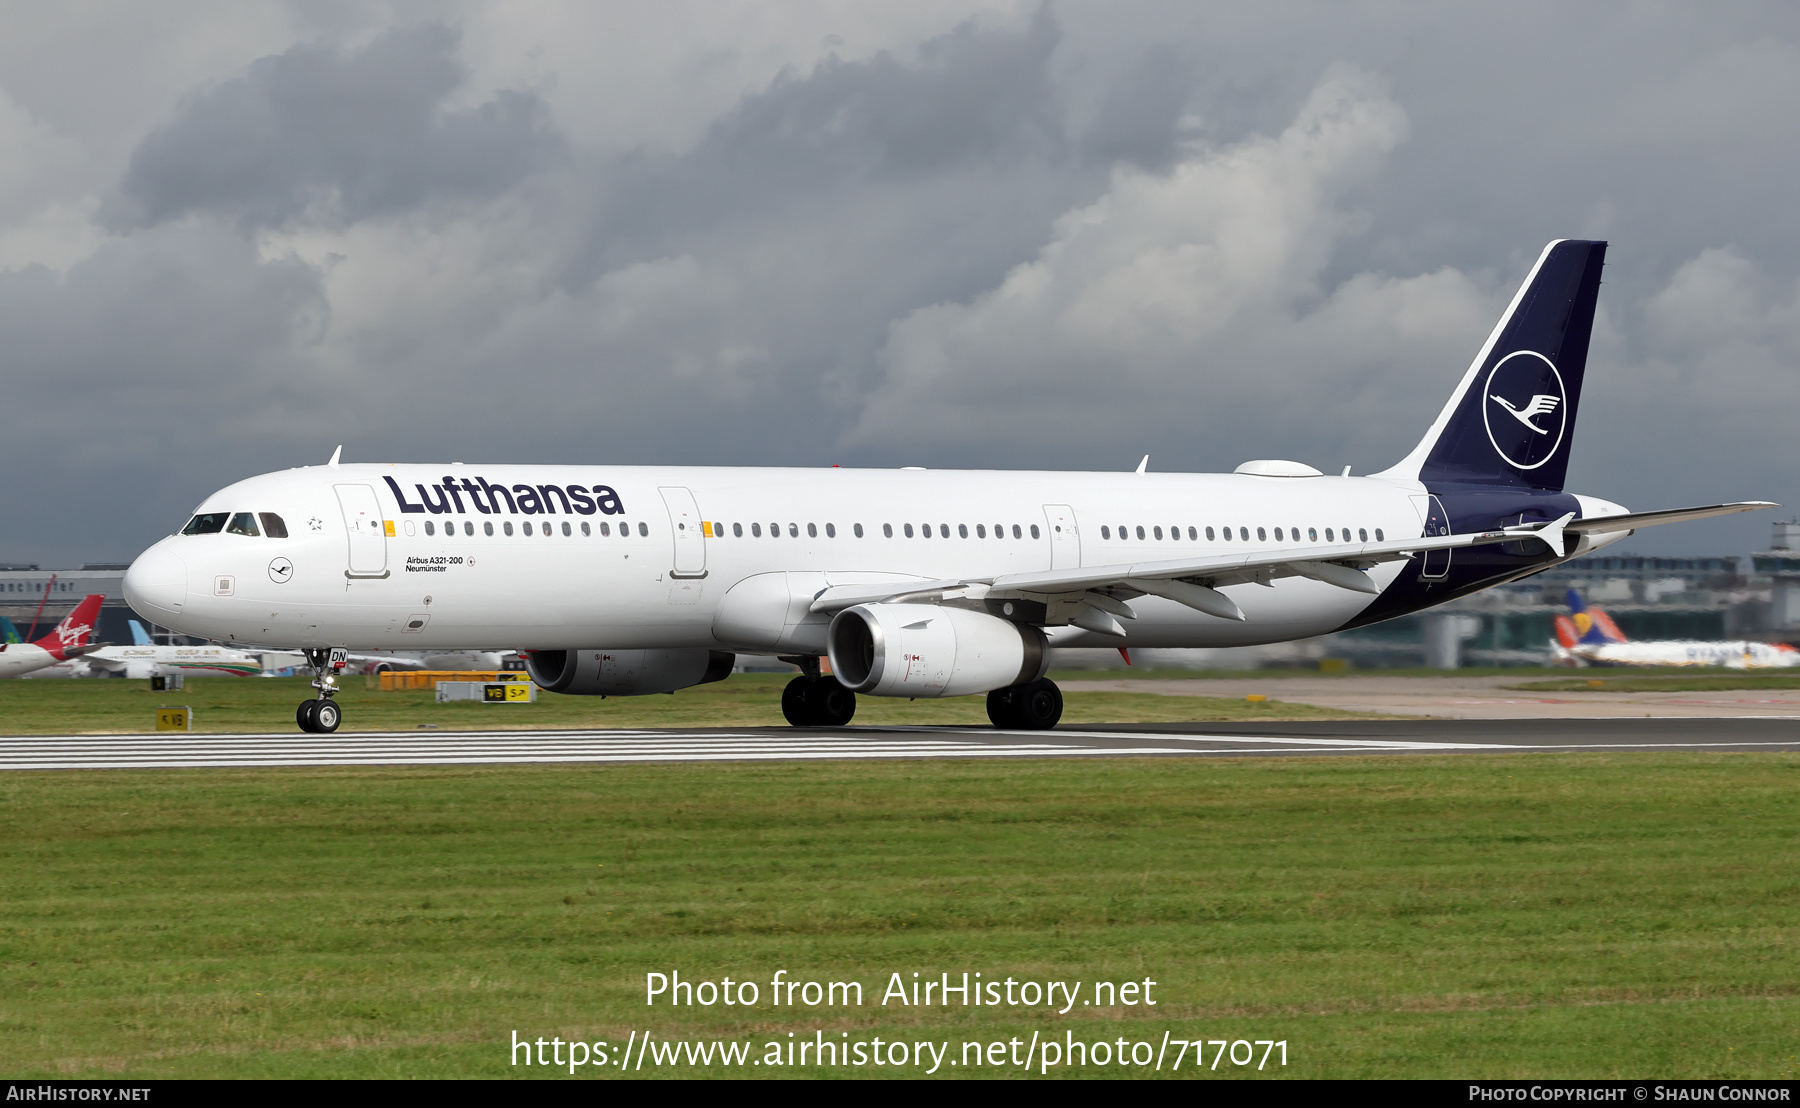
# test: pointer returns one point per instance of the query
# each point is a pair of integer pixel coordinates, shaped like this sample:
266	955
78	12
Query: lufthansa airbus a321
622	581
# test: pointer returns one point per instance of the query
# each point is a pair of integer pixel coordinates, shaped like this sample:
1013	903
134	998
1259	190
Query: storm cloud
958	234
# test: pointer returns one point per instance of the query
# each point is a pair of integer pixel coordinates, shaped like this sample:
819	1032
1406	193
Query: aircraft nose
156	584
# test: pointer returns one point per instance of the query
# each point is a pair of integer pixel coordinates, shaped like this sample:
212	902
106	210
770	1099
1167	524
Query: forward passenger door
366	529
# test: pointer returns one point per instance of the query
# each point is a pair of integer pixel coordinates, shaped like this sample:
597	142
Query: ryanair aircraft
622	581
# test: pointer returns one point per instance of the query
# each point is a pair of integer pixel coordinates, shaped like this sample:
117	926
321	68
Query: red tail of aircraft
73	633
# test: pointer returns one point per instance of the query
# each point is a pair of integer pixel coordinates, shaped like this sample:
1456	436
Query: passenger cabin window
1277	534
273	525
1140	533
643	530
856	529
962	530
1034	531
1261	535
887	530
1209	534
831	530
1378	537
793	530
565	530
430	529
906	528
488	528
208	523
586	531
1105	531
812	530
243	523
1194	535
526	526
981	530
1362	534
924	530
507	526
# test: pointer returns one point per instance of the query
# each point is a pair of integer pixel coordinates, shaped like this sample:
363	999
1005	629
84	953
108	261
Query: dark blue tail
1513	417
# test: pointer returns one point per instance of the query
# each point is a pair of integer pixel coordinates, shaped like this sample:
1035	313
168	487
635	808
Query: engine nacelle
927	650
626	672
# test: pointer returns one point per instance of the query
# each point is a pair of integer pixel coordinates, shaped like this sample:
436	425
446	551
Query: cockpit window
243	523
273	525
206	523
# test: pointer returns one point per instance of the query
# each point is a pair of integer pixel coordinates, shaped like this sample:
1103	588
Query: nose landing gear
322	716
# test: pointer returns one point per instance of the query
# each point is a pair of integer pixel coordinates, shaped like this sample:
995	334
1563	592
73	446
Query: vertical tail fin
139	636
1512	417
1594	626
8	631
75	629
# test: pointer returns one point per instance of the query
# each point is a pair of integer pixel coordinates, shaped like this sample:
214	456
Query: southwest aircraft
68	640
622	581
1588	636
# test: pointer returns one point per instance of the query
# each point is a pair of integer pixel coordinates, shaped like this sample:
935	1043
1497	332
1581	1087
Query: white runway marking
165	751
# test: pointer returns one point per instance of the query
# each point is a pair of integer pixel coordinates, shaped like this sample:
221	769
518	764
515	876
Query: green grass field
224	704
1570	915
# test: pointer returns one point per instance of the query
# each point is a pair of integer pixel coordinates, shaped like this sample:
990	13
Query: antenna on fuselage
1145	464
335	455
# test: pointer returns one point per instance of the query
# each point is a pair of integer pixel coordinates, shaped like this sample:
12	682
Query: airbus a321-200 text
621	581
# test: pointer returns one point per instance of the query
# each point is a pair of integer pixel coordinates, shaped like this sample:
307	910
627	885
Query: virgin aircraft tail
1512	417
70	637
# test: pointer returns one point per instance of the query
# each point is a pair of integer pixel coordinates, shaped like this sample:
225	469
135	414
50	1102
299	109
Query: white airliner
630	580
145	659
1588	636
66	642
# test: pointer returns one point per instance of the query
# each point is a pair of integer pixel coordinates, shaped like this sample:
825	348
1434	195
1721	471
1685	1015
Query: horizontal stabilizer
1635	520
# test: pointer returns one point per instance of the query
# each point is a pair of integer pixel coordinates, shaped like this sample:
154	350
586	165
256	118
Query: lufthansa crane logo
1525	409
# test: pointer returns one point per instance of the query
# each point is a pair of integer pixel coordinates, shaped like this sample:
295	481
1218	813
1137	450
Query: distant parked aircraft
67	643
1588	636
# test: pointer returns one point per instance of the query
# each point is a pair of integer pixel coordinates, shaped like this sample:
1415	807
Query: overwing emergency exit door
366	529
1065	541
690	538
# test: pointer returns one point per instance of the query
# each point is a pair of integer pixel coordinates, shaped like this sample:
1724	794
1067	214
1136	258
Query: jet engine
927	650
626	672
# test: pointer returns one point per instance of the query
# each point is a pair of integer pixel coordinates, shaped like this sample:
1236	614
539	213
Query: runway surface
1459	696
1352	737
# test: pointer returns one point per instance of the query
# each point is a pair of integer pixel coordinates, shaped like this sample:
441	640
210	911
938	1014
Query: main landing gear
1033	706
322	716
814	699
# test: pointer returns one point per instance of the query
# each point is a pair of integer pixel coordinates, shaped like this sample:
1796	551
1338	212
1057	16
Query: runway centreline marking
288	749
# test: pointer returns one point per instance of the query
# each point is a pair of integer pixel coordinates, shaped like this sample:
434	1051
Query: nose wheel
321	715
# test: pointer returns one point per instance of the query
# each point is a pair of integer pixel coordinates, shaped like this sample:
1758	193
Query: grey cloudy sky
236	234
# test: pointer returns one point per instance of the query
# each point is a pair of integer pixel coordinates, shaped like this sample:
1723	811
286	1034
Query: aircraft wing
1190	581
1672	515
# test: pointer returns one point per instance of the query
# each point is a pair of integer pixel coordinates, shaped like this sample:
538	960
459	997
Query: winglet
1145	464
335	455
